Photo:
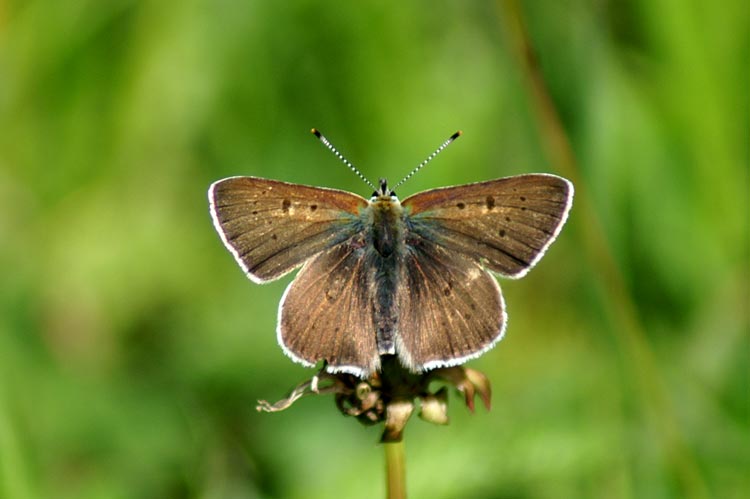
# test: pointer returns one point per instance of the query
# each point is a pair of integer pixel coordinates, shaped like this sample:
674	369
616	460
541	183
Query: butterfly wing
450	309
272	227
507	224
326	312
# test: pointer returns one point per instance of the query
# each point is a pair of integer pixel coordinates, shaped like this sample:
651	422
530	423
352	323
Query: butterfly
380	276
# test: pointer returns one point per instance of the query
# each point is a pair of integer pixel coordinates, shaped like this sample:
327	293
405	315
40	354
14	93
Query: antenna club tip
457	134
315	132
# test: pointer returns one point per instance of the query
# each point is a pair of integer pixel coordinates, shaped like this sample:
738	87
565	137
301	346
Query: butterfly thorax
387	225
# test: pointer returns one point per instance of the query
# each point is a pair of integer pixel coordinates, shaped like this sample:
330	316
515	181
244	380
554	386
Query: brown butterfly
383	277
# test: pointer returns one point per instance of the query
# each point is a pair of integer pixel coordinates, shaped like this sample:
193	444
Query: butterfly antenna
341	157
429	158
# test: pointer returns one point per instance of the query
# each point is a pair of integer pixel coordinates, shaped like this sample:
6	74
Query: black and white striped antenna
429	158
341	157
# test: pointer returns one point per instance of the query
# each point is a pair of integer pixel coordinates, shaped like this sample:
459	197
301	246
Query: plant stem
395	470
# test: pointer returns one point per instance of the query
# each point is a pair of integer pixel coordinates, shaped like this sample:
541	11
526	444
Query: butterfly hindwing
507	223
450	309
272	227
326	313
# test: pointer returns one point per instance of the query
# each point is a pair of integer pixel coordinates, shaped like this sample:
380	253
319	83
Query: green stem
395	470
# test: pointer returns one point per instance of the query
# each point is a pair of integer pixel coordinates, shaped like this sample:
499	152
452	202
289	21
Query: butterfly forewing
506	224
326	313
450	309
272	227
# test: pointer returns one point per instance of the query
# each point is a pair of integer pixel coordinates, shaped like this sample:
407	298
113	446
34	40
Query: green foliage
132	348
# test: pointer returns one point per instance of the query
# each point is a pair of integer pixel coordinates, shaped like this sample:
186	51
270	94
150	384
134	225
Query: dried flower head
391	395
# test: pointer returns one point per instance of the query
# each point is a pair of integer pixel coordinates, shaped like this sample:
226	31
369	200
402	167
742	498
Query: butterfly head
383	193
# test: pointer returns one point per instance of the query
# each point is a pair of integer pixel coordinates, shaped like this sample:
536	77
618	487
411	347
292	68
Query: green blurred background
133	349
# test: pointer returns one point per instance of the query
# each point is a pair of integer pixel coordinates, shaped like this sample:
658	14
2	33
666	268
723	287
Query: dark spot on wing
285	205
522	198
507	219
460	206
490	202
502	233
255	212
447	291
313	207
274	237
523	208
473	306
